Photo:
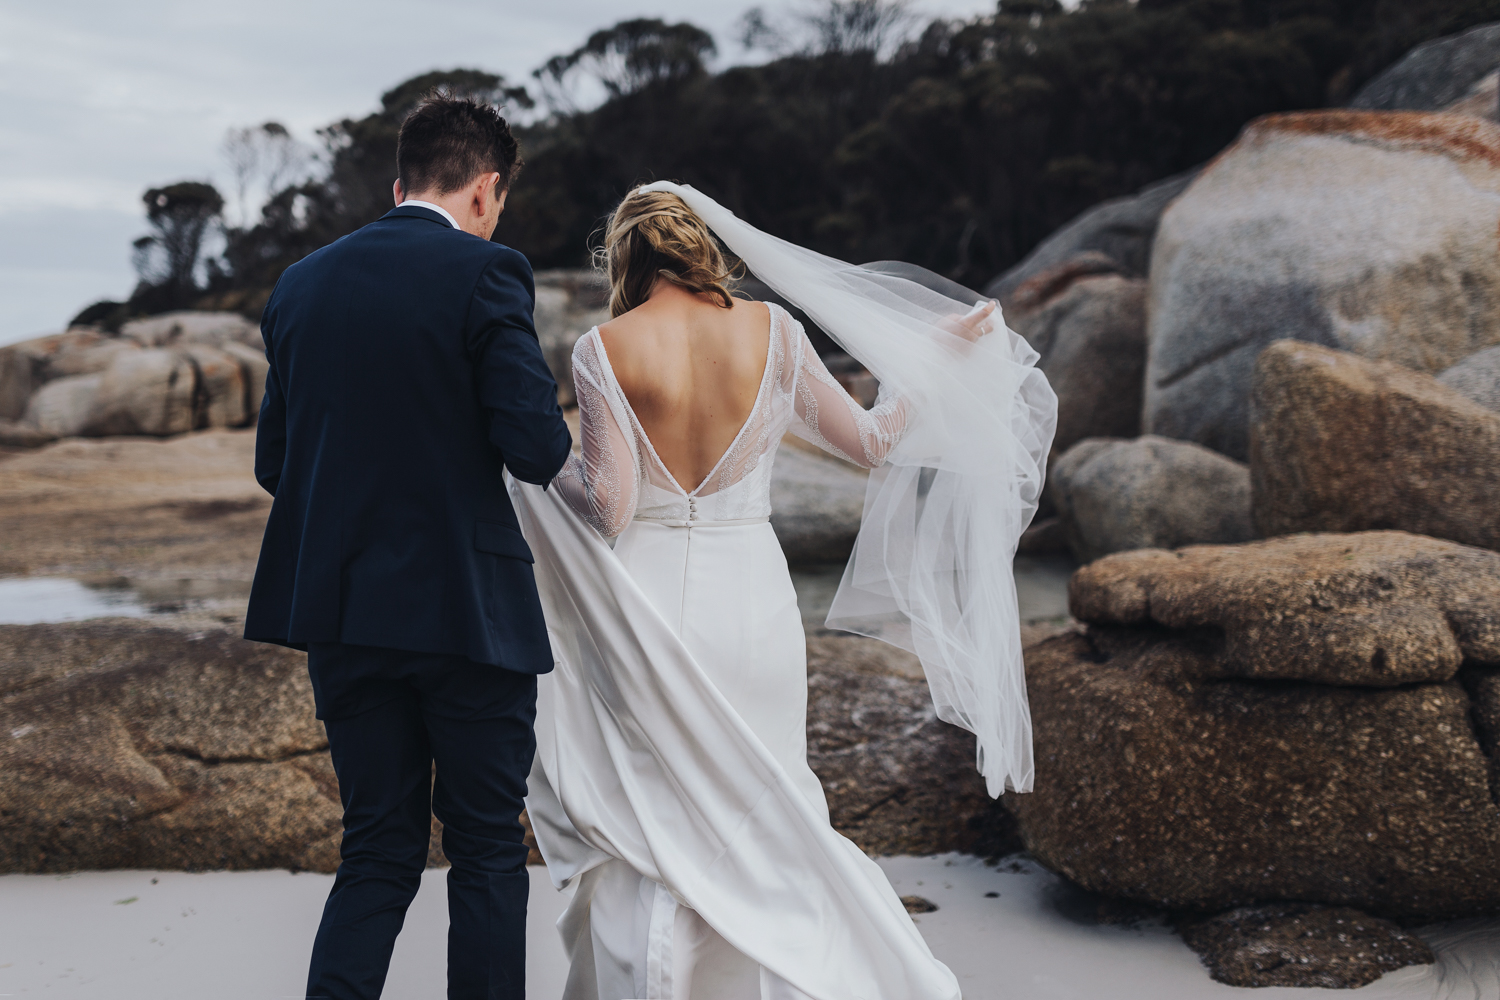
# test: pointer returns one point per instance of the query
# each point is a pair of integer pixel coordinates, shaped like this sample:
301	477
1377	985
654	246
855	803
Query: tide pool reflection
38	599
1041	589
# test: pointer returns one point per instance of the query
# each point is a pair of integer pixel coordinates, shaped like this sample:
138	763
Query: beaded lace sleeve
600	484
834	421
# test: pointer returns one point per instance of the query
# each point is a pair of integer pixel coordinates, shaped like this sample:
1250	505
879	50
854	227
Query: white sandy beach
135	935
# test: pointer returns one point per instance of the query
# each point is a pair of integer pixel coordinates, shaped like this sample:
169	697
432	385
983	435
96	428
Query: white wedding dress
671	787
819	918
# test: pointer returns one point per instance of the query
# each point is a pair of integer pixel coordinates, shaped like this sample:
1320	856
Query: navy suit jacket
405	373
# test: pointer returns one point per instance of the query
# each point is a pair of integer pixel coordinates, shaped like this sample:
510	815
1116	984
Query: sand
245	936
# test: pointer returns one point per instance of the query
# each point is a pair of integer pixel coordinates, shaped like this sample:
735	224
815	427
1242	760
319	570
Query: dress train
672	787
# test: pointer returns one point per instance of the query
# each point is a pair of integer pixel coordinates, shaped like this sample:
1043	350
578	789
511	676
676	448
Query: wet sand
246	936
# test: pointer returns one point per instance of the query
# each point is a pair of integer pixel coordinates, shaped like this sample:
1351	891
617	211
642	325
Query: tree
833	26
858	25
957	147
633	55
1030	9
265	157
475	84
756	30
362	153
301	214
167	260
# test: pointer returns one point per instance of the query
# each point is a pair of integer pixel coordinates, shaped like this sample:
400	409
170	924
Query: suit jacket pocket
502	540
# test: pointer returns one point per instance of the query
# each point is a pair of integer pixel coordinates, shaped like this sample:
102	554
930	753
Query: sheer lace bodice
619	475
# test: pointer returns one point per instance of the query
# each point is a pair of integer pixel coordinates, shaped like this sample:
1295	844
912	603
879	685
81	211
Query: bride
671	784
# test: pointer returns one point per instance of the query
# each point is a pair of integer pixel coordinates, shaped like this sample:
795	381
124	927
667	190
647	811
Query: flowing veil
932	567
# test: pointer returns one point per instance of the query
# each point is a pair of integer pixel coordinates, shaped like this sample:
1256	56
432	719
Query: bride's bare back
691	370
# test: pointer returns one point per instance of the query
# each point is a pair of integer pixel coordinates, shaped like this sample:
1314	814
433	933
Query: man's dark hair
446	142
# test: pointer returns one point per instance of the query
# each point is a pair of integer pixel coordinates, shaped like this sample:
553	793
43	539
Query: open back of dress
620	476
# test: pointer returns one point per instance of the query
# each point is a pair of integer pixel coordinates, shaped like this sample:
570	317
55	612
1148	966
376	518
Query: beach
134	935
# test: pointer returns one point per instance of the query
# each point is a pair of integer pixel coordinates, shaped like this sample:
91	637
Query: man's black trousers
390	716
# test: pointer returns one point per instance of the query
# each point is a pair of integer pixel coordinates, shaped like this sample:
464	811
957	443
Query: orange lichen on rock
1457	136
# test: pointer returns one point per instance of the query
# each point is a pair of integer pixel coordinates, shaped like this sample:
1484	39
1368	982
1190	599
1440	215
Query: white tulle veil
932	568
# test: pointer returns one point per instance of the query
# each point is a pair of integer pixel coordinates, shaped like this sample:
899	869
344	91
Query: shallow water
37	599
1041	587
29	600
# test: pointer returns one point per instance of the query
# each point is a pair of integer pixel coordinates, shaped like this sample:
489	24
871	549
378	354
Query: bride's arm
600	484
833	420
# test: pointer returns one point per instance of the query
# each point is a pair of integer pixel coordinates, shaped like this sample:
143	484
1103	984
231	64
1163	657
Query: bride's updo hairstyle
655	235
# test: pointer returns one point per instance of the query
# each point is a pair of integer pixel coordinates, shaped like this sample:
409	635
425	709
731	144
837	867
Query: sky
103	99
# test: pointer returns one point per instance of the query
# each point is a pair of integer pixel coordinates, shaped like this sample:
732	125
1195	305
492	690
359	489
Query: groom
405	374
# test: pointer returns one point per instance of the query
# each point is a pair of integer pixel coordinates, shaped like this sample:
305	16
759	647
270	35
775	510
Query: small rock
17	383
1122	229
19	434
1048	284
222	394
1482	101
918	904
816	505
149	392
175	329
1045	535
854	377
1091	335
1477	377
61	408
256	368
1342	443
1435	74
24	366
1114	495
86	360
568	304
1296	944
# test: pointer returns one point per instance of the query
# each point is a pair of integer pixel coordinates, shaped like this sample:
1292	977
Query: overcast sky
105	99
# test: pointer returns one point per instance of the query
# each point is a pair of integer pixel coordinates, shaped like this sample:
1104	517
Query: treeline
957	145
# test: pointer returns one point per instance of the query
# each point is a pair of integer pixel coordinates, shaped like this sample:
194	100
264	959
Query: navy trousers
390	715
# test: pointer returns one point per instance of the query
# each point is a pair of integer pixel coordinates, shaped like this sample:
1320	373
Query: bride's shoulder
613	336
781	317
587	346
784	326
758	312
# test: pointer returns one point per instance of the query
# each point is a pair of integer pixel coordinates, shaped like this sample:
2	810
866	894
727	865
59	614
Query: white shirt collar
440	210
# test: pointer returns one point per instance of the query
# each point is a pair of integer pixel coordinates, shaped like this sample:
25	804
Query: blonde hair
655	235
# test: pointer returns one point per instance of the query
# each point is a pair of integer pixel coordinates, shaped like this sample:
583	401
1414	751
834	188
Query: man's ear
398	192
484	185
